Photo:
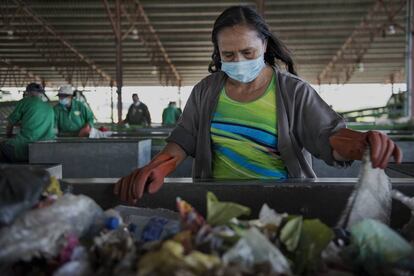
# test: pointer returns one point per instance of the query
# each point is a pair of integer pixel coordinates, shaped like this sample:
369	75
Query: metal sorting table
323	198
158	137
147	132
84	157
53	169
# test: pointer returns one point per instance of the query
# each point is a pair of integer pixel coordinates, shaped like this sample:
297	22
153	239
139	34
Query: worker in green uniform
72	116
36	120
170	114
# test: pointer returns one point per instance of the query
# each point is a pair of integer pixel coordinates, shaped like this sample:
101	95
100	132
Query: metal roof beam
17	74
140	28
358	43
149	37
65	46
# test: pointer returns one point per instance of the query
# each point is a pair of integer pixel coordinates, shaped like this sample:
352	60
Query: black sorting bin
315	198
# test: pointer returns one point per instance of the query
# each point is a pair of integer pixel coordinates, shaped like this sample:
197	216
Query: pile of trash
45	232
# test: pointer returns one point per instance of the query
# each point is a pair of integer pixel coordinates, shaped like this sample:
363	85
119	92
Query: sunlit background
103	101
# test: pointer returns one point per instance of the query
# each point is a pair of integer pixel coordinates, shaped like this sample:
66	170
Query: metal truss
344	63
396	77
141	28
59	54
13	75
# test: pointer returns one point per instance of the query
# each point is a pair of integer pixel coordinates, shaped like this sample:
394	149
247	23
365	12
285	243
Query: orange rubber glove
84	132
130	188
351	145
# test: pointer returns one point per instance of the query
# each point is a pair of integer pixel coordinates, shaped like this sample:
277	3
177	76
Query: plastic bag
374	246
77	266
113	251
255	248
371	197
270	216
41	232
291	232
96	134
220	212
190	218
170	259
314	238
20	189
149	224
408	229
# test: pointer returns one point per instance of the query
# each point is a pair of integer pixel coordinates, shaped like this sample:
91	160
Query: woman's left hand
350	145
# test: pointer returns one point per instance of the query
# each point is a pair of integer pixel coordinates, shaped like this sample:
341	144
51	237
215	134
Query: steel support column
112	101
410	59
260	7
115	20
141	28
118	43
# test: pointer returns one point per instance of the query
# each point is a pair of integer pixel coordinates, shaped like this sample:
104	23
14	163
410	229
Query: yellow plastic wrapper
54	187
170	259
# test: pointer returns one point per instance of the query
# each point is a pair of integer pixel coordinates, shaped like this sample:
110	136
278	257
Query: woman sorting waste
251	120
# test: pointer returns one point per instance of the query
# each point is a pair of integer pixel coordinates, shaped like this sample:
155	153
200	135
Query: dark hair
237	15
135	94
34	88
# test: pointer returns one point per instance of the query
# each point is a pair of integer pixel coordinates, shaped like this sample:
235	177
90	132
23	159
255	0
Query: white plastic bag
255	248
96	134
371	198
41	232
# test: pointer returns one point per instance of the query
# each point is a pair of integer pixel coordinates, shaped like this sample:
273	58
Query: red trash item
103	129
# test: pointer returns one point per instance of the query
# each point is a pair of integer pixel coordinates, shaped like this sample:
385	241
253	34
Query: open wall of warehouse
340	97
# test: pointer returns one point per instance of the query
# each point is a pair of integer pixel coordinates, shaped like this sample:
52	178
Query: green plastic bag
375	247
219	213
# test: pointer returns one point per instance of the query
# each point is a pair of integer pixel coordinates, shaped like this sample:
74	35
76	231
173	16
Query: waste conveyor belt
323	198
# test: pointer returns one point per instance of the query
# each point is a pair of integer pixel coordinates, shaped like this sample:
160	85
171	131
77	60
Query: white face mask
244	71
64	101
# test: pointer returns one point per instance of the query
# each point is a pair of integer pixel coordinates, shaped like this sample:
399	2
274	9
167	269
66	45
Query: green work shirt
170	115
36	119
71	120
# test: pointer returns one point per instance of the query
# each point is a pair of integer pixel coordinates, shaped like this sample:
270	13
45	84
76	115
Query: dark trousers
6	153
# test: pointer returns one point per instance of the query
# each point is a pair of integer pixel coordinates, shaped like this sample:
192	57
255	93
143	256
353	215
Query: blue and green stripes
244	138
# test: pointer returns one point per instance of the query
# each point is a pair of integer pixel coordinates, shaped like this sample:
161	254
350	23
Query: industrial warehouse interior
155	137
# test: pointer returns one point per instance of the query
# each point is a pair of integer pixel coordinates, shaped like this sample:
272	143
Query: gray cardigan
304	122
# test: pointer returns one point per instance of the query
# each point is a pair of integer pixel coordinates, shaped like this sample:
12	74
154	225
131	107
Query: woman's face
240	43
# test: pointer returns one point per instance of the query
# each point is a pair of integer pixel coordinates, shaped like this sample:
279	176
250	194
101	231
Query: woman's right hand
149	178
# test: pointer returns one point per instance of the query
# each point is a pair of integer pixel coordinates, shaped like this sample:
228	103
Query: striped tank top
244	138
